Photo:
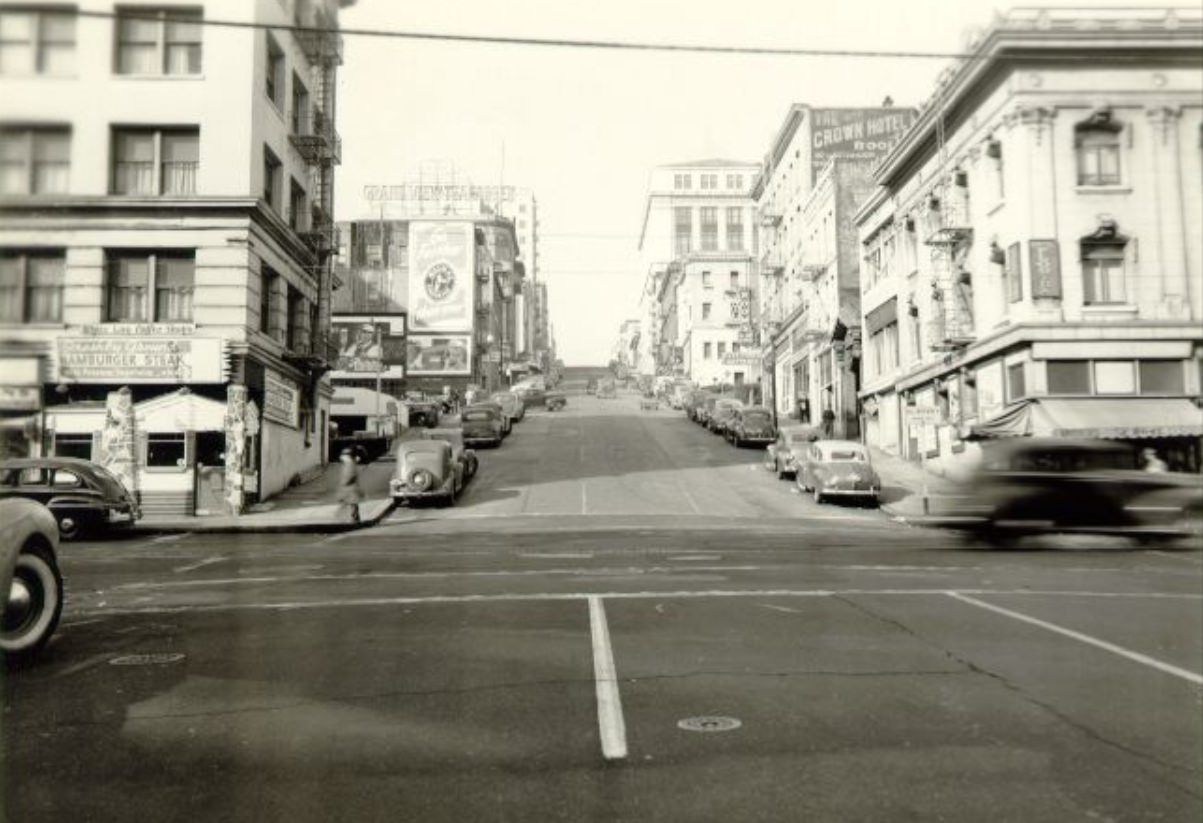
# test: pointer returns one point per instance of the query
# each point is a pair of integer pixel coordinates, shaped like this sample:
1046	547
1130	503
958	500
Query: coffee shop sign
423	192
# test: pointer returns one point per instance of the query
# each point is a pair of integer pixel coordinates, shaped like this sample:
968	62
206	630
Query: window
134	277
1114	377
1097	146
300	106
1162	377
734	281
275	72
682	229
1068	376
1016	385
158	41
735	348
155	161
706	284
682	182
296	333
31	286
705	311
37	42
709	181
722	348
883	344
296	206
735	181
73	445
34	160
705	351
165	451
271	178
267	289
1102	273
735	229
708	217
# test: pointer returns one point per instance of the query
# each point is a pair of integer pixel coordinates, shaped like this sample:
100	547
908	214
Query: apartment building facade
167	201
1033	260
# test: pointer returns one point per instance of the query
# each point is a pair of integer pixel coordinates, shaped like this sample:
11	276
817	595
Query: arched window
1097	147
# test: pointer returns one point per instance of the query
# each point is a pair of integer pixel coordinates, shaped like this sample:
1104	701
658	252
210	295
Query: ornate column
1168	209
236	433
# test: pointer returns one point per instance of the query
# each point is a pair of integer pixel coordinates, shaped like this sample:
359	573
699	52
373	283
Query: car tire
71	527
23	633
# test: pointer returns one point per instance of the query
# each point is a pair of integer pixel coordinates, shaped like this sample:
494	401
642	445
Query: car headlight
421	479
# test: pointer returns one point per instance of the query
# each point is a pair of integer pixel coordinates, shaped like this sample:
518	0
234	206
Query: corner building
165	227
1031	263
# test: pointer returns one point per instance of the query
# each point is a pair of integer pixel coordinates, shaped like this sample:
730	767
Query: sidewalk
902	489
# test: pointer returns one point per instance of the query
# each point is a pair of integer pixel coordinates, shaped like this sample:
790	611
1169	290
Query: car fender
76	502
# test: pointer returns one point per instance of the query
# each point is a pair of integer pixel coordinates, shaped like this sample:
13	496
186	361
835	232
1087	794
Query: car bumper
756	438
473	439
401	492
865	494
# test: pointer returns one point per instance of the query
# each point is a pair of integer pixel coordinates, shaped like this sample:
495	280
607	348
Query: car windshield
846	455
477	415
759	418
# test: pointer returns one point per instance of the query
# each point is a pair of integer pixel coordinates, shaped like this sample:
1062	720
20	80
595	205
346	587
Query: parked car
507	422
724	409
511	405
29	578
423	411
838	468
82	495
1027	486
465	456
782	454
481	424
556	401
753	424
695	402
426	469
531	395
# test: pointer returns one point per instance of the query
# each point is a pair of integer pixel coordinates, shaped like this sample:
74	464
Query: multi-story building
522	208
426	303
1033	259
800	241
165	225
627	346
698	243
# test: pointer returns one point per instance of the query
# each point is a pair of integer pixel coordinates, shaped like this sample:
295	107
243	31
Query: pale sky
583	127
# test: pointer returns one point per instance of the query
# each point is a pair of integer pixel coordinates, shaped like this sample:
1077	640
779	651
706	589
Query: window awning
1110	418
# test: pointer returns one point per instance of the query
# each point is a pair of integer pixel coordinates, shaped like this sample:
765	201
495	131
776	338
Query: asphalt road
623	619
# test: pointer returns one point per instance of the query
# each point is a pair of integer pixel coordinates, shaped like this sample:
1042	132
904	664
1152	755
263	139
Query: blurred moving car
837	468
481	424
427	469
464	455
1026	486
29	578
753	424
511	405
82	495
782	454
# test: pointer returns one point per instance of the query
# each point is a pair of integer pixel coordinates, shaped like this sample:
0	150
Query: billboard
441	275
369	346
442	354
859	134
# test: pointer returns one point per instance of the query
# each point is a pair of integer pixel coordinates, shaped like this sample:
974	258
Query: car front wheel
70	526
33	606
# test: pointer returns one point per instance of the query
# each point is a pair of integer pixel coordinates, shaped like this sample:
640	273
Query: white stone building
1033	259
165	223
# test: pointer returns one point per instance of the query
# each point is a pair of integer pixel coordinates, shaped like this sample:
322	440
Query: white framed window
735	181
34	41
682	182
1098	150
35	160
155	161
274	78
31	285
163	41
706	311
1103	274
143	287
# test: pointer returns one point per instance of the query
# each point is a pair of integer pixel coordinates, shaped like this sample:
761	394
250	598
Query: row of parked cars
440	463
826	469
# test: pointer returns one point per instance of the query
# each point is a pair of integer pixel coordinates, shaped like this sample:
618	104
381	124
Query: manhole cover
709	724
146	659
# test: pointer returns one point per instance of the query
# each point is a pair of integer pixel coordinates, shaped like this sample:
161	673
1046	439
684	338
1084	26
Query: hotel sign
129	357
860	134
1046	268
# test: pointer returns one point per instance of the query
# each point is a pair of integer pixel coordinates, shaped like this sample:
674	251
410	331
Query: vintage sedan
427	469
751	425
465	456
83	496
507	422
838	469
722	415
782	455
29	578
511	405
1028	486
482	425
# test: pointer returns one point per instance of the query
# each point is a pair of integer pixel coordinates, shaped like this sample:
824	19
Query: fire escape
317	142
950	238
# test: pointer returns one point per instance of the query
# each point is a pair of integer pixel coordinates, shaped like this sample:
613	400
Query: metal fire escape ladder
952	325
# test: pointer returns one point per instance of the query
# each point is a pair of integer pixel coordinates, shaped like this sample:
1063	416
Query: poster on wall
281	400
369	346
439	354
441	278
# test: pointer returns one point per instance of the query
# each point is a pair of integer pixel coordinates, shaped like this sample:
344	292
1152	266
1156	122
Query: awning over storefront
1104	417
176	411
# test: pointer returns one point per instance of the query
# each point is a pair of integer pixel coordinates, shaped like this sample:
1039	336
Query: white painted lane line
1085	638
609	703
779	608
191	567
584	499
171	538
1184	558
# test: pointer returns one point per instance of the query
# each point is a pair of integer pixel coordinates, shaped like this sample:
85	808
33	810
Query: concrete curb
319	527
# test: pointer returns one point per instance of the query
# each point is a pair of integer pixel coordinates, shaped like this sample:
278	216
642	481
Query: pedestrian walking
1153	463
349	492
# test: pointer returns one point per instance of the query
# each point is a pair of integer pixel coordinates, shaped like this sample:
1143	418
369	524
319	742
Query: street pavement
624	618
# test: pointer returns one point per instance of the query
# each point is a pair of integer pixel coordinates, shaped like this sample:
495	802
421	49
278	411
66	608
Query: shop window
165	451
158	41
135	277
34	160
1016	383
1162	377
37	42
1068	376
73	445
1114	377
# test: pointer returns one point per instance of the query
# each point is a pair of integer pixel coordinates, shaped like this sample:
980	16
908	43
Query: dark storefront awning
1104	417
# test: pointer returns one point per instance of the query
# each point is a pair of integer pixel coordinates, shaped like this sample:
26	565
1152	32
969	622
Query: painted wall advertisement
439	354
281	400
140	353
860	134
367	346
440	276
